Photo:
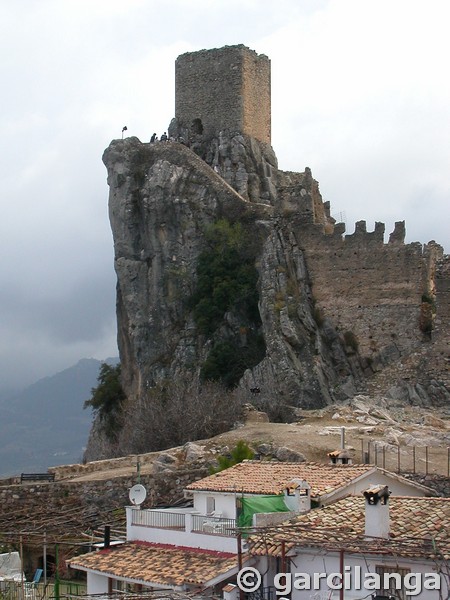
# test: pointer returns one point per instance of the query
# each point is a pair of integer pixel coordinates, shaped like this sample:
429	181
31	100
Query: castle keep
224	89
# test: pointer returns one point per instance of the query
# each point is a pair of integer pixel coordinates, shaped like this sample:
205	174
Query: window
391	581
197	126
210	504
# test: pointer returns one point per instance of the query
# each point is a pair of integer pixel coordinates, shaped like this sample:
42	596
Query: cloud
359	94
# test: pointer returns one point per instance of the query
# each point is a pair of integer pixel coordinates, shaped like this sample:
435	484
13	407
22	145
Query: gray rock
264	449
285	454
193	452
166	459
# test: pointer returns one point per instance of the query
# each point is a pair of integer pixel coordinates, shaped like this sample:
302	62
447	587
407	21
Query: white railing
214	525
183	521
160	519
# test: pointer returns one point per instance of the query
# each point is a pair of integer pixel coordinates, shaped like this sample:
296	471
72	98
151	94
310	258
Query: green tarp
259	504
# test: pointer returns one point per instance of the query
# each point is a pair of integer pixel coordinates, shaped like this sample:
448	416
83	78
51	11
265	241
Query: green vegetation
107	399
227	277
227	282
227	360
239	453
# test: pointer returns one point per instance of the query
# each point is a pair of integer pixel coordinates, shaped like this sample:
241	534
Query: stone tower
224	89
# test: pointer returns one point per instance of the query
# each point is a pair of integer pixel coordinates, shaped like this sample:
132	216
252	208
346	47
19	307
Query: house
197	547
137	566
328	483
376	544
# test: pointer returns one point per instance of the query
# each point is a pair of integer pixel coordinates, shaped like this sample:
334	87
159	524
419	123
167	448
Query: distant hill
45	424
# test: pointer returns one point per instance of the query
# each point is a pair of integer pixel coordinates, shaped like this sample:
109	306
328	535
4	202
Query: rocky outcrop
321	327
162	198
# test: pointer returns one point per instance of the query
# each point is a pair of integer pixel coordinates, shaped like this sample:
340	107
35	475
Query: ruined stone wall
371	291
165	487
440	359
442	294
224	89
298	195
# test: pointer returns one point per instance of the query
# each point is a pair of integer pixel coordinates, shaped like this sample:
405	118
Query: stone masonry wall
163	488
371	291
225	89
256	95
440	362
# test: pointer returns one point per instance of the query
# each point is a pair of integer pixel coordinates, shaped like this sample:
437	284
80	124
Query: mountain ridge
45	424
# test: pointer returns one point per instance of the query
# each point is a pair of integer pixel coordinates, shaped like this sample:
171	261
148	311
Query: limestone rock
287	455
323	334
193	452
251	415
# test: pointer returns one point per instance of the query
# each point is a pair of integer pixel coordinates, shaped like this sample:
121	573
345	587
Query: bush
240	452
227	282
227	360
226	278
176	412
107	399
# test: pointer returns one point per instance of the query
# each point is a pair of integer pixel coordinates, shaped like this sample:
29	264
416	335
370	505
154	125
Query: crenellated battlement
334	236
373	289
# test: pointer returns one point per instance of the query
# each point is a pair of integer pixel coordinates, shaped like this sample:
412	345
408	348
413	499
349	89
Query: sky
360	94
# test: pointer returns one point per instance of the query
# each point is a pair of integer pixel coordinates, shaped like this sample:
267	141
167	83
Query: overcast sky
360	94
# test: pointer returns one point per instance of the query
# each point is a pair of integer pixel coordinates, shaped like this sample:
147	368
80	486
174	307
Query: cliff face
332	310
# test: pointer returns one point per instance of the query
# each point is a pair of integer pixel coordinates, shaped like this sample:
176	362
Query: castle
338	314
385	295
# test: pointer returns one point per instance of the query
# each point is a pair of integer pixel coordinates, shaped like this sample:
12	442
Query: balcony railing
183	521
214	525
161	519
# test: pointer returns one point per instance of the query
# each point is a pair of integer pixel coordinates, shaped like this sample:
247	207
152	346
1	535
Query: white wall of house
357	487
311	561
222	502
96	584
207	541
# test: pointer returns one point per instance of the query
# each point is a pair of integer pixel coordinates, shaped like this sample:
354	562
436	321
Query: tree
107	399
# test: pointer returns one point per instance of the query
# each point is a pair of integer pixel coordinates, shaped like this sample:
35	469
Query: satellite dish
137	494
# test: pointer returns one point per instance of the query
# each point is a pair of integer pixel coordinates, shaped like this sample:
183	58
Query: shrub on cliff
107	399
226	277
227	281
228	360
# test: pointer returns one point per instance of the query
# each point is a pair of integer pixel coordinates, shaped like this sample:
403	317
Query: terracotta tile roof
266	477
420	527
158	563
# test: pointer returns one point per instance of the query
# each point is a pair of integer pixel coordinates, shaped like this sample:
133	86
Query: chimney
340	457
107	537
377	511
297	496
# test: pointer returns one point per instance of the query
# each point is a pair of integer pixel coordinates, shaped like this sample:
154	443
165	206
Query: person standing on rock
153	138
164	137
